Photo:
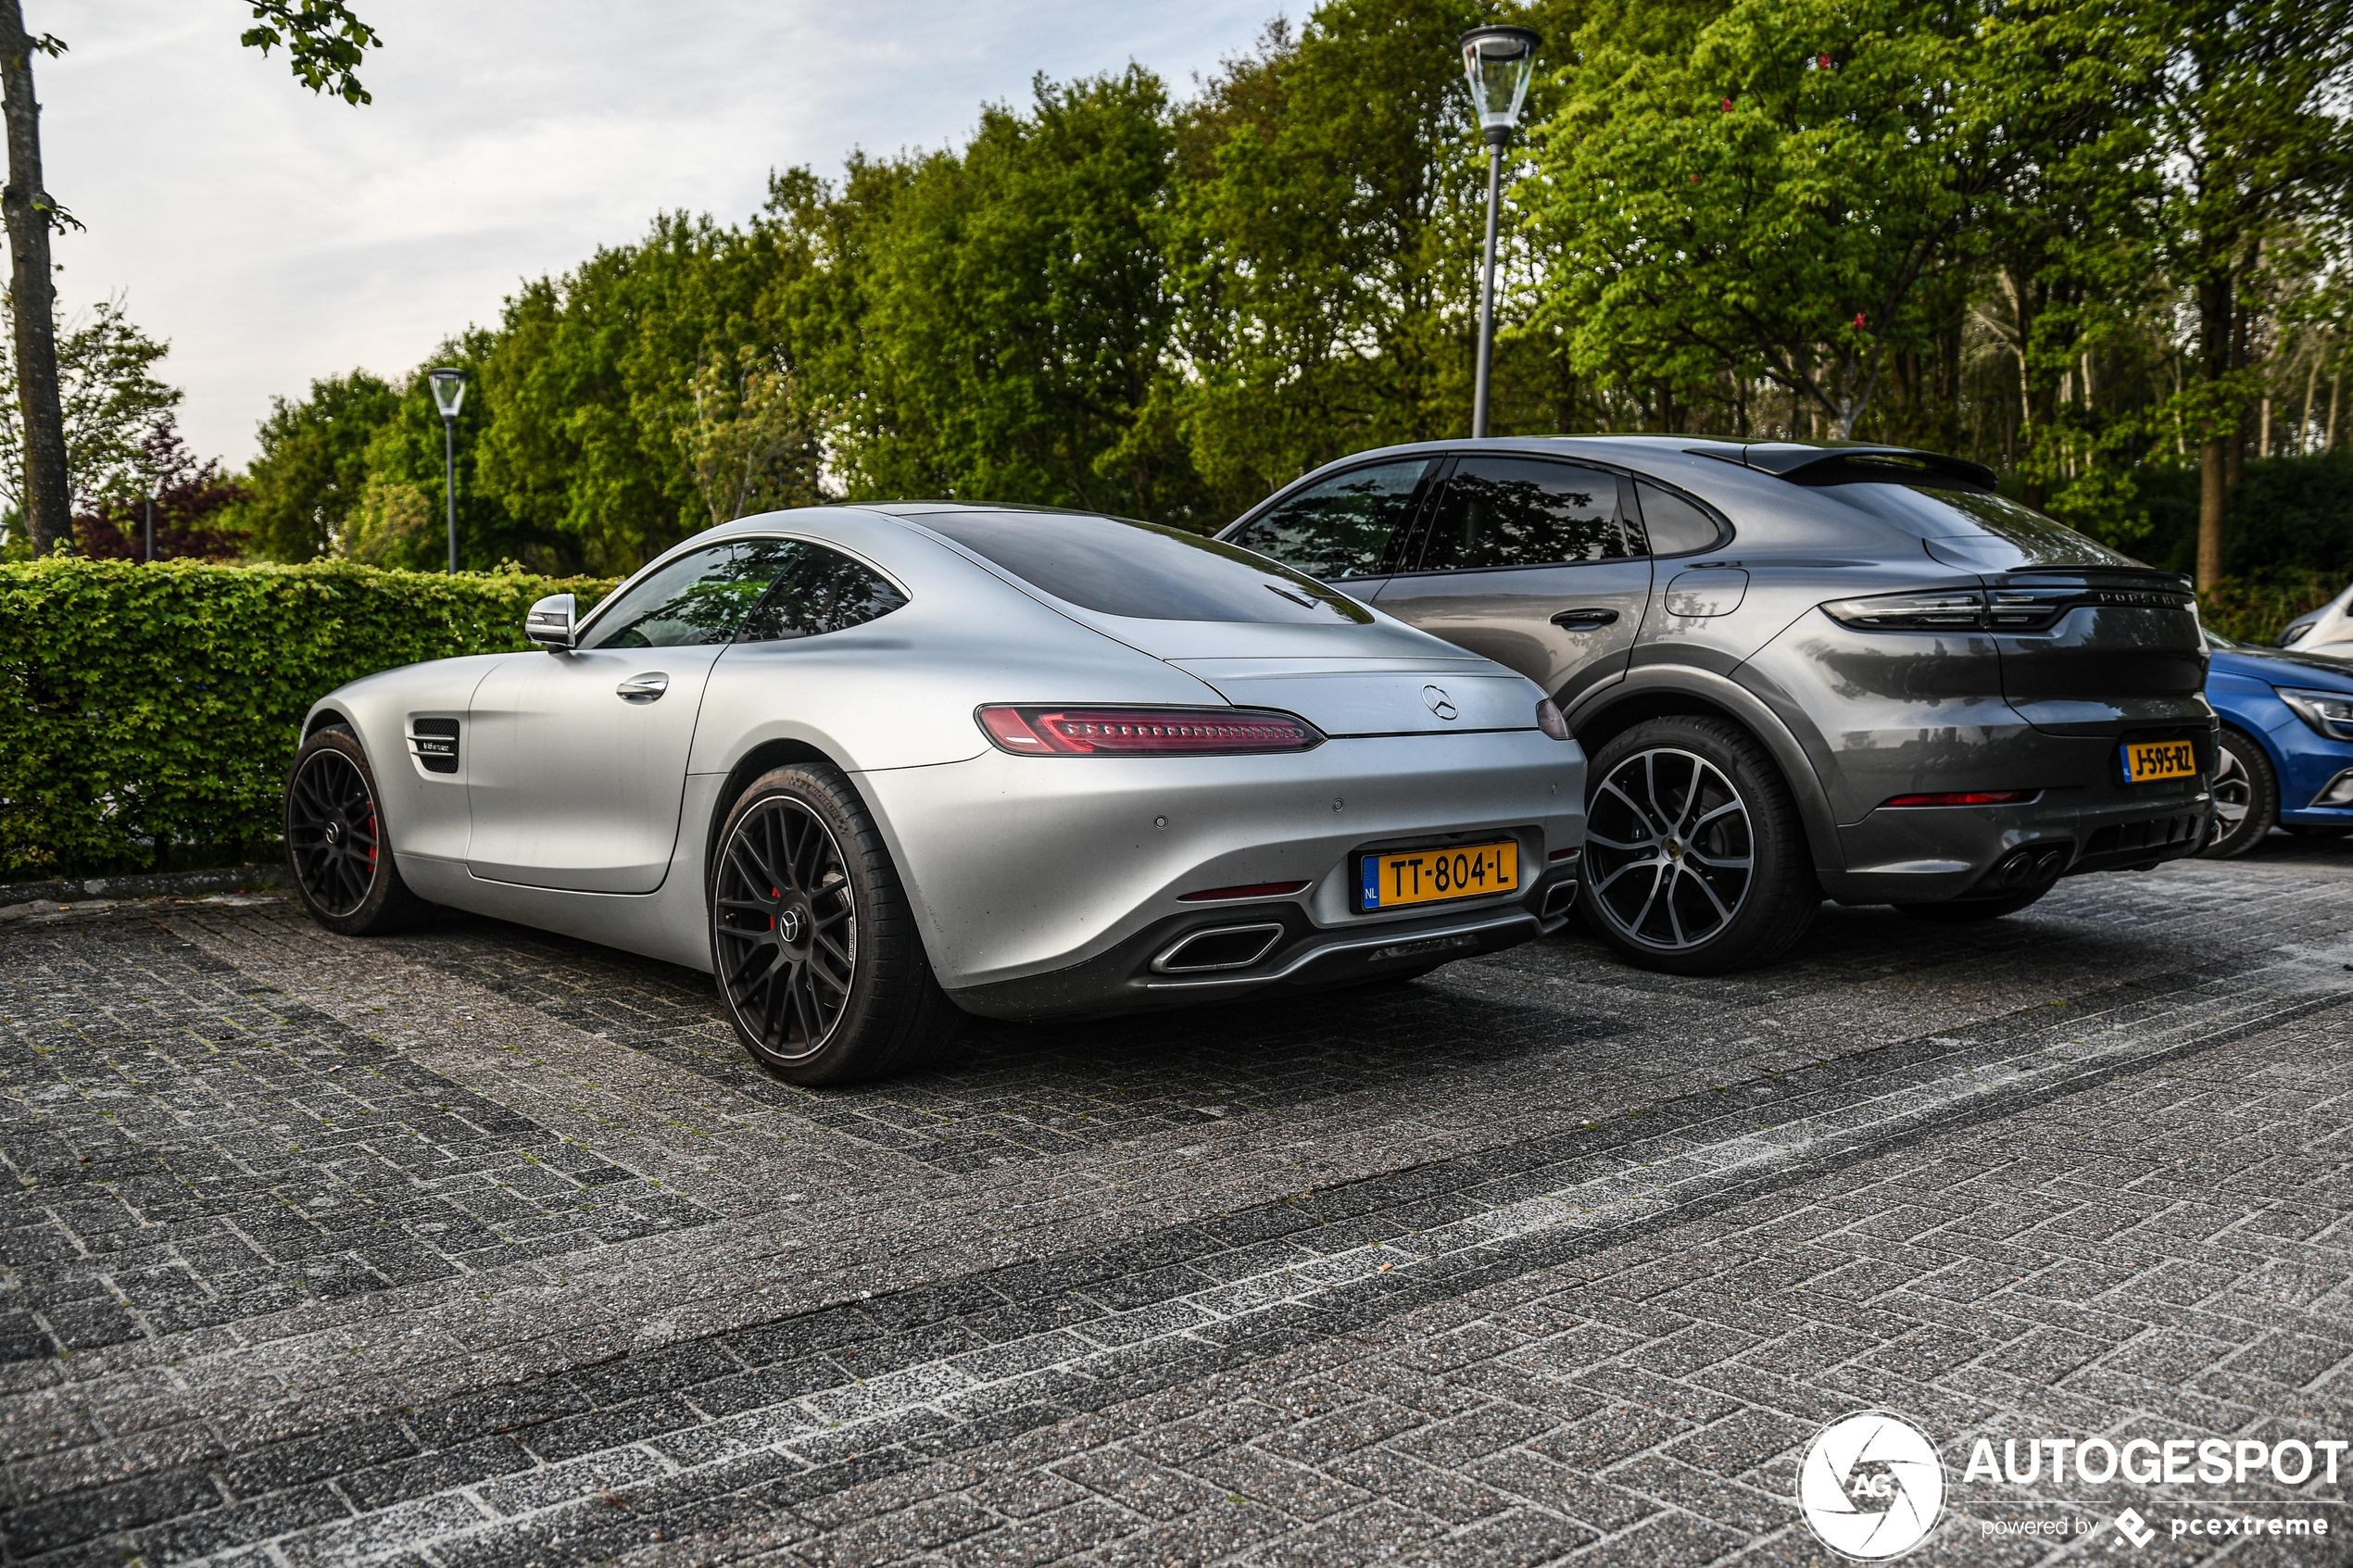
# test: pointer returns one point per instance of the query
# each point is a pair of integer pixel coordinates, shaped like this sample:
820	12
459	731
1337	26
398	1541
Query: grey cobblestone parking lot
477	1246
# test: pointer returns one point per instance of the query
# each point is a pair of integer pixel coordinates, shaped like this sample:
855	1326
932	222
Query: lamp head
448	391
1499	60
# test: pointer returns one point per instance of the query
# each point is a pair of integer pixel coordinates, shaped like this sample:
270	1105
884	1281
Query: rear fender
1765	712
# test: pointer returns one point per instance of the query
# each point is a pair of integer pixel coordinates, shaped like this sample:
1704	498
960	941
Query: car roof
1779	457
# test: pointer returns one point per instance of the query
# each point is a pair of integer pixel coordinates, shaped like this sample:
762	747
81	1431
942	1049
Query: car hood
2286	667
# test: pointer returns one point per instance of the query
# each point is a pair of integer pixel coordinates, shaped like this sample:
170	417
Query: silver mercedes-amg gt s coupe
879	766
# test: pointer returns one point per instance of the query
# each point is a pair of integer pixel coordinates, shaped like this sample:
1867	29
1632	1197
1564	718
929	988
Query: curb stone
145	885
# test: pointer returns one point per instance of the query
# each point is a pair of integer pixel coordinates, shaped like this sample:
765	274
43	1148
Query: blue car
2288	743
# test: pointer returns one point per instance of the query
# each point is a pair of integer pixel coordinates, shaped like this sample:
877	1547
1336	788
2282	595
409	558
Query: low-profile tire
2246	794
336	847
1975	912
813	943
1695	861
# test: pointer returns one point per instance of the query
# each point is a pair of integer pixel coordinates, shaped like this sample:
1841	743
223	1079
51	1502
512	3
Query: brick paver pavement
478	1246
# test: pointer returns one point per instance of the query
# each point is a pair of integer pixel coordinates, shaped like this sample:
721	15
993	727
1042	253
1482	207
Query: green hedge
148	713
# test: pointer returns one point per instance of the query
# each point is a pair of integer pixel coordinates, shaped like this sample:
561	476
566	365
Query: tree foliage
304	483
111	399
1989	226
190	505
325	44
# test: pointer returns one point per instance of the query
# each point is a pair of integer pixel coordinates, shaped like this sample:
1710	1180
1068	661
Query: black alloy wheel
335	841
2246	795
1696	862
813	943
786	929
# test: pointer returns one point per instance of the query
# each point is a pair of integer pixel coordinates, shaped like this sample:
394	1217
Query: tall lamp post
448	395
1499	61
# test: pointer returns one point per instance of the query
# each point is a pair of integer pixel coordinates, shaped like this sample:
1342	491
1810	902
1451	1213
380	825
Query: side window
818	591
1677	526
701	598
1524	511
1342	527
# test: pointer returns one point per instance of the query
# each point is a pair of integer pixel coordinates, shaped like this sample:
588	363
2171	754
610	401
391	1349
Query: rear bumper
1928	855
1025	868
1299	955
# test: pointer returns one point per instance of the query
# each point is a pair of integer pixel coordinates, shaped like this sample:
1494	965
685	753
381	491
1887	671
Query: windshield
1142	569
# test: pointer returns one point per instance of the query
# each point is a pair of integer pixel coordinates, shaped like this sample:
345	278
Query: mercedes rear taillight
1037	730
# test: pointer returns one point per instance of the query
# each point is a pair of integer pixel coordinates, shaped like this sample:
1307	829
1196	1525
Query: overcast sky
273	236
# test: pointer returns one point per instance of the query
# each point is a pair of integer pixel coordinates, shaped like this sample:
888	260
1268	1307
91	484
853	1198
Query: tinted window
1937	512
1523	512
1342	527
818	591
1142	569
1674	524
701	598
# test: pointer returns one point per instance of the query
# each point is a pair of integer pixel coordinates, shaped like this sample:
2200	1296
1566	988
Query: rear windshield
1939	513
1141	569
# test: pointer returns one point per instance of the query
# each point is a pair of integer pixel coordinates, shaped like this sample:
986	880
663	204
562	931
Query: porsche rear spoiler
1853	462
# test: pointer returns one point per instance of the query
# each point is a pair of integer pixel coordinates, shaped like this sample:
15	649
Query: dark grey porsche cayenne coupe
1799	670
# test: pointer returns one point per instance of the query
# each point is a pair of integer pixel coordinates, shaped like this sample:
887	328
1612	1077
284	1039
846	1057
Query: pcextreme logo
1871	1486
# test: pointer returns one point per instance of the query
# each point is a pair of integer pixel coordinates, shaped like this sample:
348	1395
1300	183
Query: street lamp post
448	395
1499	61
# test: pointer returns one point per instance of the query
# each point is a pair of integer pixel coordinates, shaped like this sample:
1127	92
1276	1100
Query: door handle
1584	619
643	688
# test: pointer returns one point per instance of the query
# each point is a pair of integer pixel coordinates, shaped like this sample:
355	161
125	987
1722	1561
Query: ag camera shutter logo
1871	1486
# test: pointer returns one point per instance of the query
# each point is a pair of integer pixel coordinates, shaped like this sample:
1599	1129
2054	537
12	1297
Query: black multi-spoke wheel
812	942
2246	795
1694	860
786	929
335	843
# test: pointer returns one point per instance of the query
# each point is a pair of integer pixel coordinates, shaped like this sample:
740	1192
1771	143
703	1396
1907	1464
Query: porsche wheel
813	944
336	846
1696	862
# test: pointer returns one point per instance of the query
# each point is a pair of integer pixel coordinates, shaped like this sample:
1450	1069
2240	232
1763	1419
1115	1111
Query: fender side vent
436	743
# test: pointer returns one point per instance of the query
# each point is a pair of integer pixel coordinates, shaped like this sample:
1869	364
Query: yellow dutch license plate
1432	876
2147	761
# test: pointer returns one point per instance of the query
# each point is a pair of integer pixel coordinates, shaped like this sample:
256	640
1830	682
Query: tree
1325	242
306	481
1015	315
324	43
195	507
754	446
589	377
1785	190
398	518
108	403
2253	138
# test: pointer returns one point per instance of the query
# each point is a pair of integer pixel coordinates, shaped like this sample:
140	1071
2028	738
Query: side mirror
550	622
